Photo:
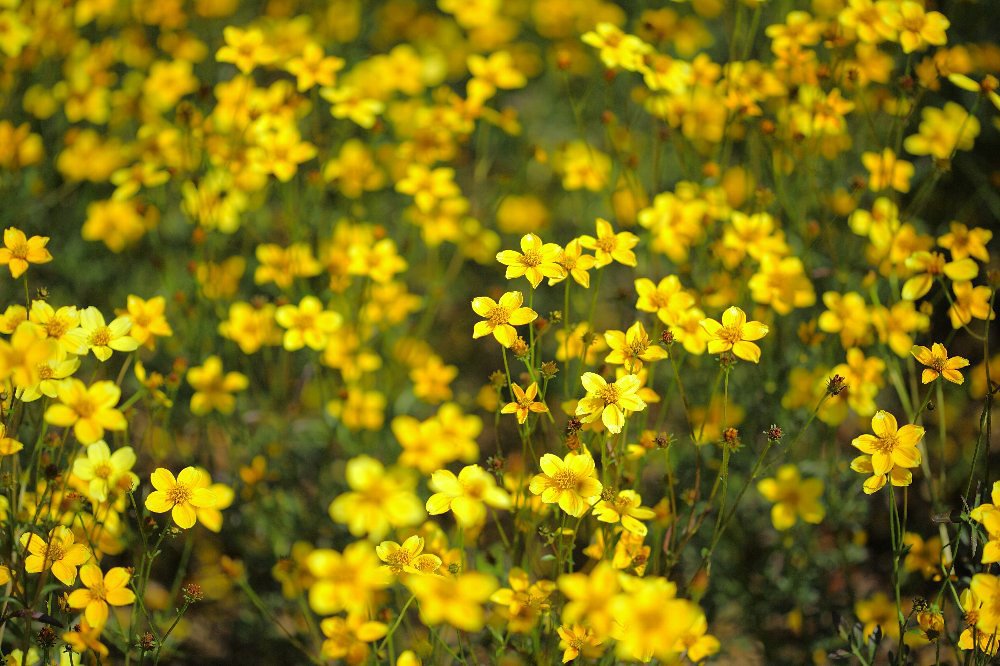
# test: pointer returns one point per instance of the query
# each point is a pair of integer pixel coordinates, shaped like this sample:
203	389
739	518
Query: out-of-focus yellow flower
148	320
524	602
847	315
90	410
348	638
632	347
106	473
885	170
246	49
307	324
626	508
466	495
345	581
379	499
19	251
457	601
970	303
24	356
735	333
964	242
617	49
917	28
576	640
211	516
878	611
314	68
793	497
943	131
932	265
939	365
214	390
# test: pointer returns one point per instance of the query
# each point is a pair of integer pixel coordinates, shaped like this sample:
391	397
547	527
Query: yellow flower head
735	334
106	472
407	557
939	364
466	495
793	497
609	246
60	553
626	508
632	347
18	251
181	496
101	591
213	390
893	452
570	482
524	402
502	317
609	402
90	410
535	262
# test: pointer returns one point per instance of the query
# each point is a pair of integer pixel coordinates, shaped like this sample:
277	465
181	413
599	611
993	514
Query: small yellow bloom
110	589
626	508
570	482
213	390
893	452
102	338
407	557
632	347
502	317
609	402
18	251
576	640
524	402
939	364
90	410
60	553
23	358
181	496
735	333
457	601
148	320
307	324
536	261
609	246
793	497
106	472
466	495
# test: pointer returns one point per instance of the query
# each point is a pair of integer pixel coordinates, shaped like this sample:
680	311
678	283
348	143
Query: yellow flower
350	580
60	553
110	589
589	597
939	363
878	611
90	410
538	261
577	639
314	68
457	601
85	637
432	380
23	358
502	317
972	637
307	324
57	324
667	298
893	452
524	602
943	131
379	499
735	333
931	265
970	303
211	516
213	390
625	508
407	557
101	338
917	28
148	321
609	402
575	264
8	445
19	251
524	402
793	497
246	49
570	482
609	246
104	471
986	588
964	242
348	638
181	496
466	495
632	347
886	170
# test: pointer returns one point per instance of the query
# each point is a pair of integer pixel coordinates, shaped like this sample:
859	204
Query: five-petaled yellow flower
18	251
632	347
524	402
793	497
538	261
609	402
502	317
570	482
466	495
893	452
609	246
90	410
735	334
181	496
60	553
213	389
626	508
100	592
407	557
939	364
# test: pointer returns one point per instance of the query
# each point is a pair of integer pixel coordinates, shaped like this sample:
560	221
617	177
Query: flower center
19	250
531	258
499	316
887	444
56	328
54	552
731	334
102	471
607	243
565	480
100	337
179	494
609	394
45	371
